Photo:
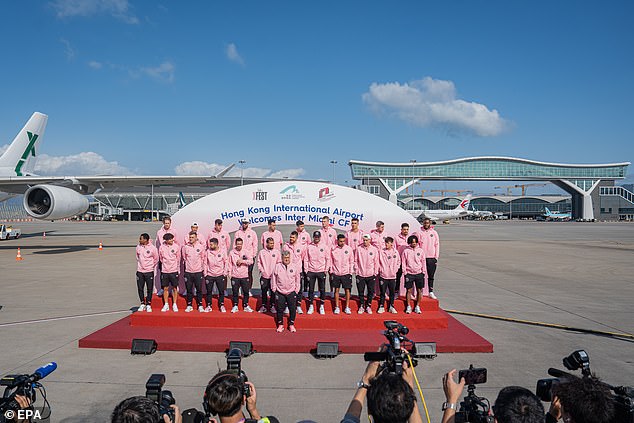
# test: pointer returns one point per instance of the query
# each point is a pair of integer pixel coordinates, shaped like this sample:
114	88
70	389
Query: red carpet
212	331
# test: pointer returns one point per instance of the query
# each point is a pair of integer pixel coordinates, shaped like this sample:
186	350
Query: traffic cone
19	256
43	234
100	246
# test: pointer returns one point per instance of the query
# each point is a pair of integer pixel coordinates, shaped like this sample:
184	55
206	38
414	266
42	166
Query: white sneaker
337	311
321	309
417	310
141	308
223	309
201	309
148	308
234	309
310	309
248	309
174	308
287	311
273	310
347	310
408	310
189	309
360	310
262	310
299	310
208	309
381	310
393	310
368	310
432	296
165	308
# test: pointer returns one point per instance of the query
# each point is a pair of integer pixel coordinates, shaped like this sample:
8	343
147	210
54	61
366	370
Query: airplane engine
51	202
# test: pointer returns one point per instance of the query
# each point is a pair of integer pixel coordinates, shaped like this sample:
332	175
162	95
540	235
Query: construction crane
523	186
444	191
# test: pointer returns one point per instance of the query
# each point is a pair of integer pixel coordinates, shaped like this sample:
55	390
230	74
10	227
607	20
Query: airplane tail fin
21	154
464	204
547	210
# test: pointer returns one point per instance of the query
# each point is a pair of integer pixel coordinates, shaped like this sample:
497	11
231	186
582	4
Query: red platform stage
355	333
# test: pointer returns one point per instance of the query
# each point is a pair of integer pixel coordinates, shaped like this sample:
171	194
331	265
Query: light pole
242	163
334	170
412	162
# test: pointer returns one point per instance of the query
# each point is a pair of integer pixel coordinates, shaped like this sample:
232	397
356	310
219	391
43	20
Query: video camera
474	409
395	353
623	397
164	398
24	385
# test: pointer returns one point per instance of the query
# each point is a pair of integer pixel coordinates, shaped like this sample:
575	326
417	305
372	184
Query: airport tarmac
575	274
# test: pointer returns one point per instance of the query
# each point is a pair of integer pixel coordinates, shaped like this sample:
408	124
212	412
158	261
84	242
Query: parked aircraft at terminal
462	210
58	197
556	216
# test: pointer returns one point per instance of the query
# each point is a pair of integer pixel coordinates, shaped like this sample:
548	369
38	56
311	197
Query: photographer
581	400
390	397
226	394
514	404
142	410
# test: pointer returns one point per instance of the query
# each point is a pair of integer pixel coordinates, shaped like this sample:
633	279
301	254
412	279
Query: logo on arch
326	194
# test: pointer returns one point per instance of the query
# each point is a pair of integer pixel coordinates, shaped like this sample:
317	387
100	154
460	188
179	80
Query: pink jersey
267	259
161	232
317	257
277	238
328	236
378	239
146	257
170	257
239	270
224	240
303	237
285	279
400	242
193	256
249	241
389	263
413	260
354	239
429	241
342	260
297	253
367	261
216	262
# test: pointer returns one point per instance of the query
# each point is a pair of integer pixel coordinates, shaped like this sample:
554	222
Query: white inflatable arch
289	201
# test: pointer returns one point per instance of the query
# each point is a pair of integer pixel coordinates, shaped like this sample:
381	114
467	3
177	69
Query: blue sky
170	87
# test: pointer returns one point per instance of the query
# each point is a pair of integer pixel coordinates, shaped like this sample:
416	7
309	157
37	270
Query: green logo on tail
30	149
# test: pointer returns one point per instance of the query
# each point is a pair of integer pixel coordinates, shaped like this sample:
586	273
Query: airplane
482	214
444	215
556	216
59	197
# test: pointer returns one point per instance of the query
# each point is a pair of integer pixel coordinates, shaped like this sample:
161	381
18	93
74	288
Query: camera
394	355
24	385
623	397
234	365
164	398
474	409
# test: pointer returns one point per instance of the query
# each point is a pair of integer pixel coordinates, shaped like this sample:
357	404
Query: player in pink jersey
146	258
170	258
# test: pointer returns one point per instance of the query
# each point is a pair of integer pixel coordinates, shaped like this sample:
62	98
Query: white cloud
233	55
86	163
163	72
95	64
69	51
119	9
199	168
433	102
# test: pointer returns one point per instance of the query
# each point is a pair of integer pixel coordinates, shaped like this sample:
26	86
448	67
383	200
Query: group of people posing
289	270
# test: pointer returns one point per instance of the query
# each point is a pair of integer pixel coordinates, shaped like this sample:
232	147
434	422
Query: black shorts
169	279
337	281
418	280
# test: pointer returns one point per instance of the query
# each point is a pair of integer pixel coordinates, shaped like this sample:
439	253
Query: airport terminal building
593	194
